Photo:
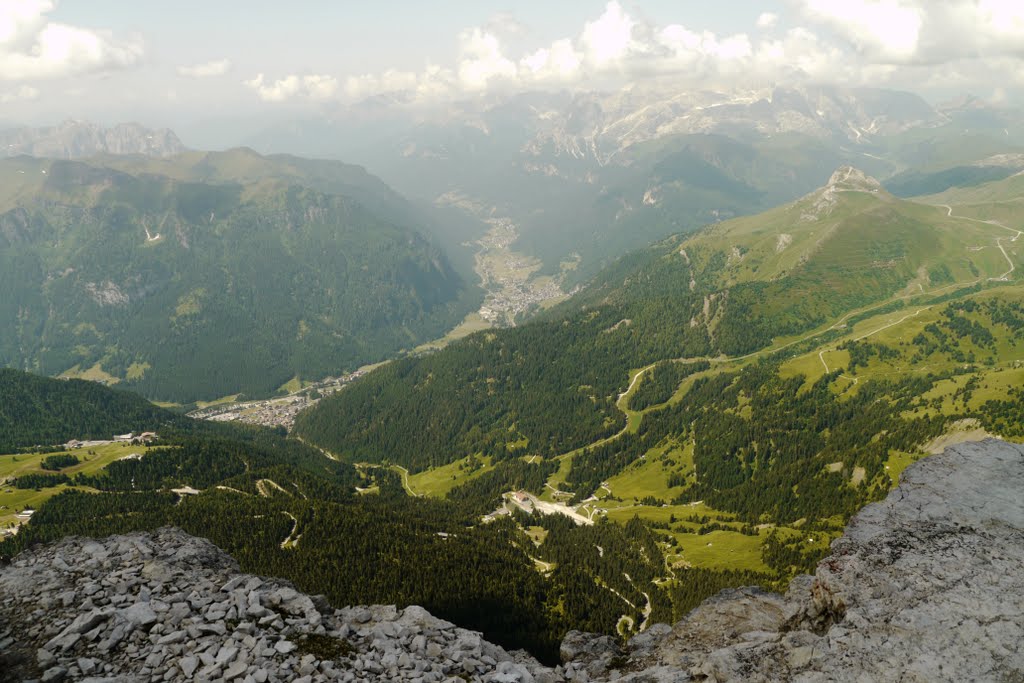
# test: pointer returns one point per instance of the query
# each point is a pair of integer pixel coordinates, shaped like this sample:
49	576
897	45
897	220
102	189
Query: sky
162	62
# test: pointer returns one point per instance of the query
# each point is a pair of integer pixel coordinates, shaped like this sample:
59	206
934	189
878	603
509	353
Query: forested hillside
224	274
551	386
283	509
38	411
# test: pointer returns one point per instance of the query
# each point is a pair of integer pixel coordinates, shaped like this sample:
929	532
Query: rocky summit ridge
81	139
925	586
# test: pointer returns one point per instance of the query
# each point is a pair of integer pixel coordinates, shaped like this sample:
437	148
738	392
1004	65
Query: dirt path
885	327
293	538
263	486
636	378
328	454
405	481
1005	277
233	490
544	566
646	612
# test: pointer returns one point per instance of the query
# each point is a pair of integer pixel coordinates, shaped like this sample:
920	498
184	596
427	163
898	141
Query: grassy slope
939	249
13	500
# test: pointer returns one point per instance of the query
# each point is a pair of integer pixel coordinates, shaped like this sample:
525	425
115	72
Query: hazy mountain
80	139
211	274
598	174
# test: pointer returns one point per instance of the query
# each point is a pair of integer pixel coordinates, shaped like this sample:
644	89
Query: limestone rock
168	606
925	585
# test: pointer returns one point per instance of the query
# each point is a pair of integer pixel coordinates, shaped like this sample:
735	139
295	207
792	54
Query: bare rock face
927	585
79	139
165	606
853	179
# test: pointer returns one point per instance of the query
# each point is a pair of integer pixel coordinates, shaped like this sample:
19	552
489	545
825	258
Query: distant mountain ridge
80	139
589	176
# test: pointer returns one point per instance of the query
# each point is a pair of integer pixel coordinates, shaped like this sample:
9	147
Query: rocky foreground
927	585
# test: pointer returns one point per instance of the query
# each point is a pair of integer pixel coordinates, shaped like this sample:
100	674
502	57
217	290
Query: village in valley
510	278
280	411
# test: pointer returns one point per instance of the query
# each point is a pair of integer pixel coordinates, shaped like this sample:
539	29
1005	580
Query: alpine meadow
608	342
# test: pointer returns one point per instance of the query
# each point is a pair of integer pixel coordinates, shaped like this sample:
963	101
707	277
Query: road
636	378
1005	277
328	454
405	481
293	538
263	486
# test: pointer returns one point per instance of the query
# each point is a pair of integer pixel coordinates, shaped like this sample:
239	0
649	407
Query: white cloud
23	93
850	42
887	29
482	60
613	45
217	67
802	54
609	38
294	87
33	47
559	62
906	32
687	46
504	24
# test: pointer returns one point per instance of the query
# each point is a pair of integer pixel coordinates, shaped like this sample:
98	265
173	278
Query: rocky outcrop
926	585
167	606
79	139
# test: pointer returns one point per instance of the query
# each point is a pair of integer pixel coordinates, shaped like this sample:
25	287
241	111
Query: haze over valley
553	323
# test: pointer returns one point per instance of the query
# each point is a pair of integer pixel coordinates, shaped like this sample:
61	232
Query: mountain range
205	275
781	300
729	292
79	139
704	413
616	171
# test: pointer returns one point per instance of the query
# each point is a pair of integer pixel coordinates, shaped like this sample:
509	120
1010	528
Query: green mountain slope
224	273
553	385
881	329
41	411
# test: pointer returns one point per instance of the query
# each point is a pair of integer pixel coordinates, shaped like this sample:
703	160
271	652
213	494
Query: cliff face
926	585
79	139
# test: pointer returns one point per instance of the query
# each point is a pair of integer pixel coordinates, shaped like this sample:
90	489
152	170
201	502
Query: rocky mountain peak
852	179
80	139
822	201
